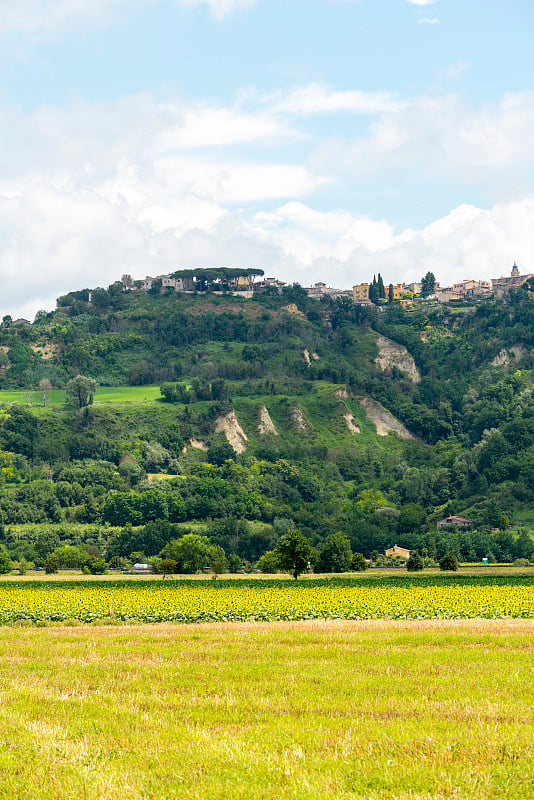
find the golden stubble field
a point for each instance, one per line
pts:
(317, 709)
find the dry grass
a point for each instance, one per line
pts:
(373, 709)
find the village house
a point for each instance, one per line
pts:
(397, 291)
(169, 282)
(470, 287)
(266, 283)
(502, 286)
(447, 294)
(398, 552)
(360, 292)
(459, 522)
(414, 287)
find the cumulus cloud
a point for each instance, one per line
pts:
(97, 189)
(145, 185)
(343, 249)
(422, 2)
(440, 136)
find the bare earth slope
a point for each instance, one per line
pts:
(384, 421)
(393, 354)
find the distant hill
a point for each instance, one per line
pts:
(430, 409)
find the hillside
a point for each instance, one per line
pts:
(372, 422)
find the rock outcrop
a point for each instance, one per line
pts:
(299, 419)
(393, 354)
(265, 424)
(505, 357)
(385, 421)
(229, 425)
(351, 422)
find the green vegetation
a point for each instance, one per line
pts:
(307, 710)
(237, 419)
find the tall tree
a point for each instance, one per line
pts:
(80, 391)
(428, 284)
(381, 288)
(295, 553)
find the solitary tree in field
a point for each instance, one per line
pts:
(295, 553)
(80, 391)
(45, 387)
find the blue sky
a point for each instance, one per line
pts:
(315, 139)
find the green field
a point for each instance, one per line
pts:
(372, 710)
(104, 394)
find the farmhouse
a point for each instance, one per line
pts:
(460, 522)
(397, 551)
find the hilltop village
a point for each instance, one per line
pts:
(247, 282)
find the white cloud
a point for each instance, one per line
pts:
(221, 8)
(144, 185)
(342, 249)
(316, 98)
(439, 136)
(45, 19)
(49, 18)
(94, 190)
(428, 21)
(455, 71)
(422, 2)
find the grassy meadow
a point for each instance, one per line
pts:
(104, 394)
(337, 709)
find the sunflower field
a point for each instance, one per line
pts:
(241, 601)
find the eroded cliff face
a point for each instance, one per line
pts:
(514, 353)
(393, 354)
(265, 424)
(385, 421)
(299, 419)
(236, 436)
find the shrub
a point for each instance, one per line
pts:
(415, 562)
(449, 562)
(234, 563)
(94, 566)
(51, 564)
(168, 566)
(336, 554)
(268, 563)
(358, 563)
(6, 565)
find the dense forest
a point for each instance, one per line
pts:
(350, 423)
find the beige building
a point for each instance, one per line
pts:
(471, 287)
(360, 292)
(502, 286)
(398, 552)
(169, 282)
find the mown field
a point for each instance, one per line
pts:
(275, 599)
(104, 394)
(337, 709)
